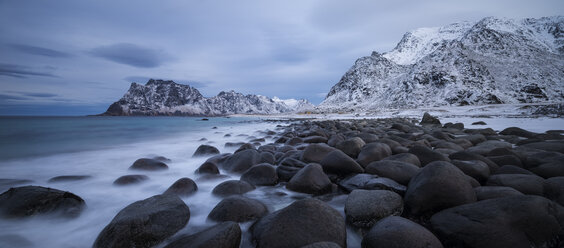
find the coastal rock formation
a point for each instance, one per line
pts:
(159, 97)
(486, 62)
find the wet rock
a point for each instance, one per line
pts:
(491, 192)
(294, 141)
(400, 172)
(487, 146)
(232, 187)
(207, 168)
(261, 175)
(148, 165)
(474, 168)
(246, 146)
(238, 209)
(373, 152)
(371, 182)
(351, 146)
(365, 207)
(474, 138)
(292, 162)
(479, 123)
(427, 155)
(406, 158)
(338, 162)
(554, 189)
(429, 119)
(36, 200)
(285, 173)
(205, 150)
(182, 187)
(130, 179)
(506, 160)
(439, 185)
(223, 235)
(301, 223)
(548, 170)
(398, 232)
(145, 223)
(68, 178)
(526, 184)
(241, 161)
(219, 159)
(315, 139)
(314, 153)
(518, 132)
(512, 169)
(311, 180)
(468, 156)
(267, 157)
(322, 245)
(522, 221)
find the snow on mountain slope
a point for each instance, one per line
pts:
(159, 97)
(491, 61)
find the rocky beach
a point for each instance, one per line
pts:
(393, 182)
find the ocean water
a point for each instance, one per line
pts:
(39, 148)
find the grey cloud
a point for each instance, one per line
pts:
(12, 97)
(35, 50)
(20, 71)
(40, 95)
(130, 54)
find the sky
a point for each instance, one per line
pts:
(69, 57)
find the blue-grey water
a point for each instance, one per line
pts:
(39, 148)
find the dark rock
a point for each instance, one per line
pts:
(238, 208)
(536, 158)
(474, 138)
(68, 178)
(267, 157)
(182, 187)
(373, 152)
(205, 150)
(314, 153)
(371, 182)
(479, 123)
(491, 192)
(338, 162)
(315, 139)
(322, 245)
(351, 146)
(292, 162)
(294, 141)
(261, 175)
(487, 146)
(516, 221)
(474, 168)
(145, 223)
(148, 164)
(365, 207)
(232, 187)
(483, 131)
(438, 186)
(36, 200)
(429, 119)
(464, 155)
(219, 159)
(506, 160)
(207, 168)
(241, 161)
(398, 232)
(512, 169)
(427, 155)
(285, 173)
(526, 184)
(301, 223)
(223, 235)
(130, 179)
(464, 143)
(405, 157)
(548, 170)
(368, 137)
(518, 132)
(334, 139)
(246, 146)
(311, 180)
(400, 172)
(554, 189)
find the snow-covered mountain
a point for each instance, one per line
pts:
(159, 97)
(491, 61)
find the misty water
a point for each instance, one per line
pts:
(38, 149)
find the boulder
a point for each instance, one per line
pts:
(427, 155)
(364, 208)
(338, 162)
(464, 155)
(398, 232)
(223, 235)
(512, 169)
(314, 153)
(267, 157)
(474, 168)
(315, 139)
(526, 184)
(36, 200)
(550, 146)
(438, 186)
(400, 172)
(246, 146)
(516, 221)
(518, 132)
(371, 182)
(301, 223)
(285, 173)
(68, 178)
(474, 138)
(491, 192)
(241, 161)
(554, 189)
(506, 160)
(208, 168)
(130, 179)
(351, 146)
(238, 208)
(182, 187)
(232, 187)
(145, 223)
(205, 150)
(429, 119)
(479, 123)
(322, 244)
(487, 146)
(261, 175)
(311, 180)
(373, 152)
(405, 157)
(550, 169)
(148, 164)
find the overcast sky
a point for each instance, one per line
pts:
(69, 57)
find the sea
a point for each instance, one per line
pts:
(40, 148)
